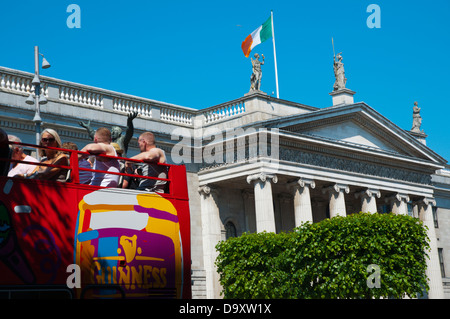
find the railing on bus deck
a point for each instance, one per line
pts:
(175, 180)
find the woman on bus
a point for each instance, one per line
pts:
(50, 138)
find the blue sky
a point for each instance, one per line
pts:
(188, 52)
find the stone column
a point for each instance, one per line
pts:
(433, 271)
(398, 203)
(337, 199)
(302, 200)
(211, 233)
(368, 201)
(265, 217)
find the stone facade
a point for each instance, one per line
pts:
(259, 163)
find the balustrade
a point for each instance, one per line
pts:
(127, 105)
(80, 96)
(223, 111)
(56, 90)
(176, 116)
(20, 84)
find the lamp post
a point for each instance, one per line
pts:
(38, 99)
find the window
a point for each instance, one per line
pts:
(410, 209)
(435, 217)
(384, 209)
(441, 261)
(230, 230)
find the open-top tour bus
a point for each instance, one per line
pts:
(66, 239)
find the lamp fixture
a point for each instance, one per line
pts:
(45, 64)
(42, 99)
(30, 99)
(36, 80)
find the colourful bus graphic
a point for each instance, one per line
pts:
(129, 239)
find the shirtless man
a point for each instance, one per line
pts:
(153, 155)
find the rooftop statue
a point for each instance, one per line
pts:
(255, 79)
(116, 132)
(417, 119)
(339, 73)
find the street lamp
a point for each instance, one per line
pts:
(36, 98)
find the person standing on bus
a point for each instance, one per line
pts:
(153, 156)
(102, 145)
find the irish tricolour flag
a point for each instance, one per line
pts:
(258, 36)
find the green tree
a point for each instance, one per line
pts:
(329, 259)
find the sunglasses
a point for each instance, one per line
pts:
(47, 140)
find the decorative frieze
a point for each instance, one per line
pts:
(354, 166)
(5, 124)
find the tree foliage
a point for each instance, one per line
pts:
(328, 259)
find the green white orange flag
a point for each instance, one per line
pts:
(258, 36)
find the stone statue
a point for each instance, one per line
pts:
(417, 119)
(116, 132)
(255, 79)
(339, 73)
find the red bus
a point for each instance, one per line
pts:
(66, 239)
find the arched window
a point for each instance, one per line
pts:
(230, 230)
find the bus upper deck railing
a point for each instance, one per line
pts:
(74, 169)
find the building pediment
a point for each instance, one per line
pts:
(352, 131)
(358, 125)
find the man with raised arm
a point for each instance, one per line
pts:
(102, 145)
(152, 155)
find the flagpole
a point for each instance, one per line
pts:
(274, 55)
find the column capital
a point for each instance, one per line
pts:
(368, 201)
(369, 192)
(398, 202)
(207, 190)
(399, 197)
(262, 177)
(337, 199)
(336, 188)
(302, 182)
(425, 201)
